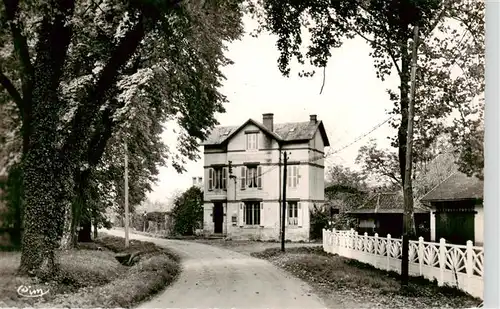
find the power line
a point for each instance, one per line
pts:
(357, 139)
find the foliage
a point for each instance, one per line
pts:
(188, 212)
(382, 165)
(345, 190)
(379, 164)
(319, 220)
(12, 198)
(387, 27)
(76, 70)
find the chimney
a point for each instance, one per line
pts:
(200, 181)
(267, 120)
(194, 181)
(313, 119)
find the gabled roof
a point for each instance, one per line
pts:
(283, 132)
(456, 187)
(386, 203)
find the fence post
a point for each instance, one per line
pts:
(352, 243)
(365, 242)
(469, 262)
(376, 244)
(421, 255)
(333, 241)
(324, 239)
(388, 249)
(442, 260)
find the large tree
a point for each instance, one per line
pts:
(387, 28)
(76, 66)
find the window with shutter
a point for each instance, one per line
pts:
(300, 213)
(292, 213)
(243, 178)
(210, 179)
(293, 176)
(261, 222)
(241, 215)
(252, 212)
(252, 177)
(259, 177)
(224, 178)
(217, 178)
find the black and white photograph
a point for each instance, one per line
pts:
(240, 154)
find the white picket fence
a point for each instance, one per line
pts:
(455, 265)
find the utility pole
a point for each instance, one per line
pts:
(283, 215)
(408, 222)
(126, 196)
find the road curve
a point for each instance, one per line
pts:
(218, 278)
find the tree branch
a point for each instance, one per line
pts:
(387, 49)
(7, 84)
(20, 45)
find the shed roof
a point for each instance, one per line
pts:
(456, 187)
(386, 203)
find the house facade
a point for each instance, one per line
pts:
(243, 172)
(457, 210)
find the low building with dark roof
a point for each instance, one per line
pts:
(382, 213)
(243, 177)
(457, 209)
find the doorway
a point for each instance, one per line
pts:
(218, 214)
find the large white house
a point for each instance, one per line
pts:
(243, 170)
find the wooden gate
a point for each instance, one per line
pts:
(455, 225)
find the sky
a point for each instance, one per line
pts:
(353, 101)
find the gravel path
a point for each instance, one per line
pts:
(218, 278)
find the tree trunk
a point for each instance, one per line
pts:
(408, 218)
(84, 235)
(95, 228)
(68, 239)
(404, 102)
(45, 189)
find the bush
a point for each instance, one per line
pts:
(188, 212)
(319, 220)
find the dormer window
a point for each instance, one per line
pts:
(252, 141)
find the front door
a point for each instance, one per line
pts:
(218, 217)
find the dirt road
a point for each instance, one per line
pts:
(218, 278)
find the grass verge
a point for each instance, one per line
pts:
(91, 277)
(346, 283)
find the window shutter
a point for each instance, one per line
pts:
(294, 171)
(286, 213)
(299, 214)
(260, 213)
(298, 174)
(213, 217)
(224, 178)
(289, 175)
(210, 179)
(241, 214)
(243, 178)
(259, 177)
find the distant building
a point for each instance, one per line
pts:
(198, 181)
(457, 210)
